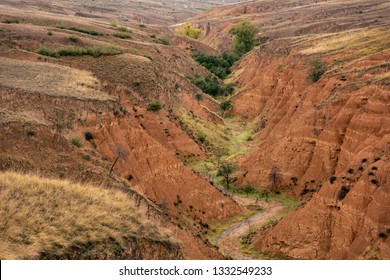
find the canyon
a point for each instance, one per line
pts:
(104, 99)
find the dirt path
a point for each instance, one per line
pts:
(228, 241)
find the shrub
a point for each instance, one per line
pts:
(249, 138)
(208, 85)
(122, 35)
(374, 168)
(155, 106)
(10, 20)
(332, 179)
(142, 25)
(317, 69)
(218, 65)
(74, 39)
(81, 30)
(202, 137)
(123, 29)
(87, 157)
(198, 96)
(49, 33)
(163, 40)
(225, 105)
(136, 82)
(350, 170)
(190, 31)
(88, 136)
(343, 192)
(245, 37)
(79, 51)
(76, 141)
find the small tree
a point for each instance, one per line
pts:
(274, 177)
(187, 29)
(317, 69)
(245, 37)
(225, 105)
(121, 153)
(226, 170)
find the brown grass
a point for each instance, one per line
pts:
(41, 215)
(50, 79)
(360, 40)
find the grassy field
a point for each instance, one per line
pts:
(50, 79)
(41, 216)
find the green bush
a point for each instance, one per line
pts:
(154, 106)
(76, 141)
(74, 39)
(136, 83)
(208, 85)
(244, 37)
(10, 20)
(317, 69)
(226, 105)
(123, 29)
(163, 40)
(122, 35)
(79, 51)
(218, 65)
(202, 137)
(199, 96)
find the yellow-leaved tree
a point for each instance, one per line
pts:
(187, 29)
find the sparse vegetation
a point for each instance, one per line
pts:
(136, 82)
(199, 96)
(187, 29)
(225, 106)
(80, 29)
(155, 106)
(74, 39)
(274, 177)
(317, 69)
(11, 20)
(244, 37)
(202, 137)
(122, 35)
(163, 40)
(76, 141)
(96, 51)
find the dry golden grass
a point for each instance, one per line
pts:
(40, 215)
(50, 79)
(360, 40)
